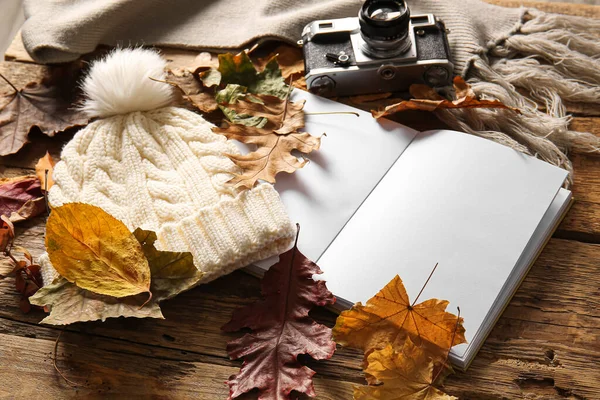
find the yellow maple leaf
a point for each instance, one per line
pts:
(96, 251)
(405, 373)
(389, 317)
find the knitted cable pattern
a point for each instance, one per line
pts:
(165, 170)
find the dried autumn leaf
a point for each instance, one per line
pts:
(406, 373)
(32, 208)
(28, 280)
(21, 198)
(7, 233)
(427, 99)
(276, 140)
(204, 61)
(69, 303)
(239, 70)
(96, 251)
(230, 95)
(289, 58)
(172, 272)
(210, 77)
(281, 331)
(40, 104)
(269, 112)
(44, 164)
(389, 317)
(192, 91)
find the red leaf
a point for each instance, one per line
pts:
(14, 193)
(281, 330)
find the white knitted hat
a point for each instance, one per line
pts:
(161, 168)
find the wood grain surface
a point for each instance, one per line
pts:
(545, 346)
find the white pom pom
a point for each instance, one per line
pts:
(120, 83)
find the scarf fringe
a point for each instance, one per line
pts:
(547, 60)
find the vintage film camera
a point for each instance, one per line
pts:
(385, 49)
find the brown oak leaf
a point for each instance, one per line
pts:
(281, 331)
(427, 99)
(275, 140)
(193, 91)
(403, 373)
(389, 317)
(43, 104)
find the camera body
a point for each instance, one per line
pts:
(341, 59)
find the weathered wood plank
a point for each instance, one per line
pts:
(16, 50)
(26, 371)
(582, 223)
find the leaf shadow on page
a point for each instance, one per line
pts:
(319, 159)
(294, 182)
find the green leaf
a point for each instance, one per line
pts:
(172, 272)
(270, 81)
(230, 95)
(239, 70)
(211, 77)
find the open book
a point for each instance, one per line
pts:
(380, 199)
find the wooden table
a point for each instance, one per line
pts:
(545, 346)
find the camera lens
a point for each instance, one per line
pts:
(385, 13)
(384, 27)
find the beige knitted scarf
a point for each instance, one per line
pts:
(526, 58)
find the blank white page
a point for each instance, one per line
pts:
(354, 156)
(464, 202)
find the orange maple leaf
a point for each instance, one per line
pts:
(389, 317)
(405, 373)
